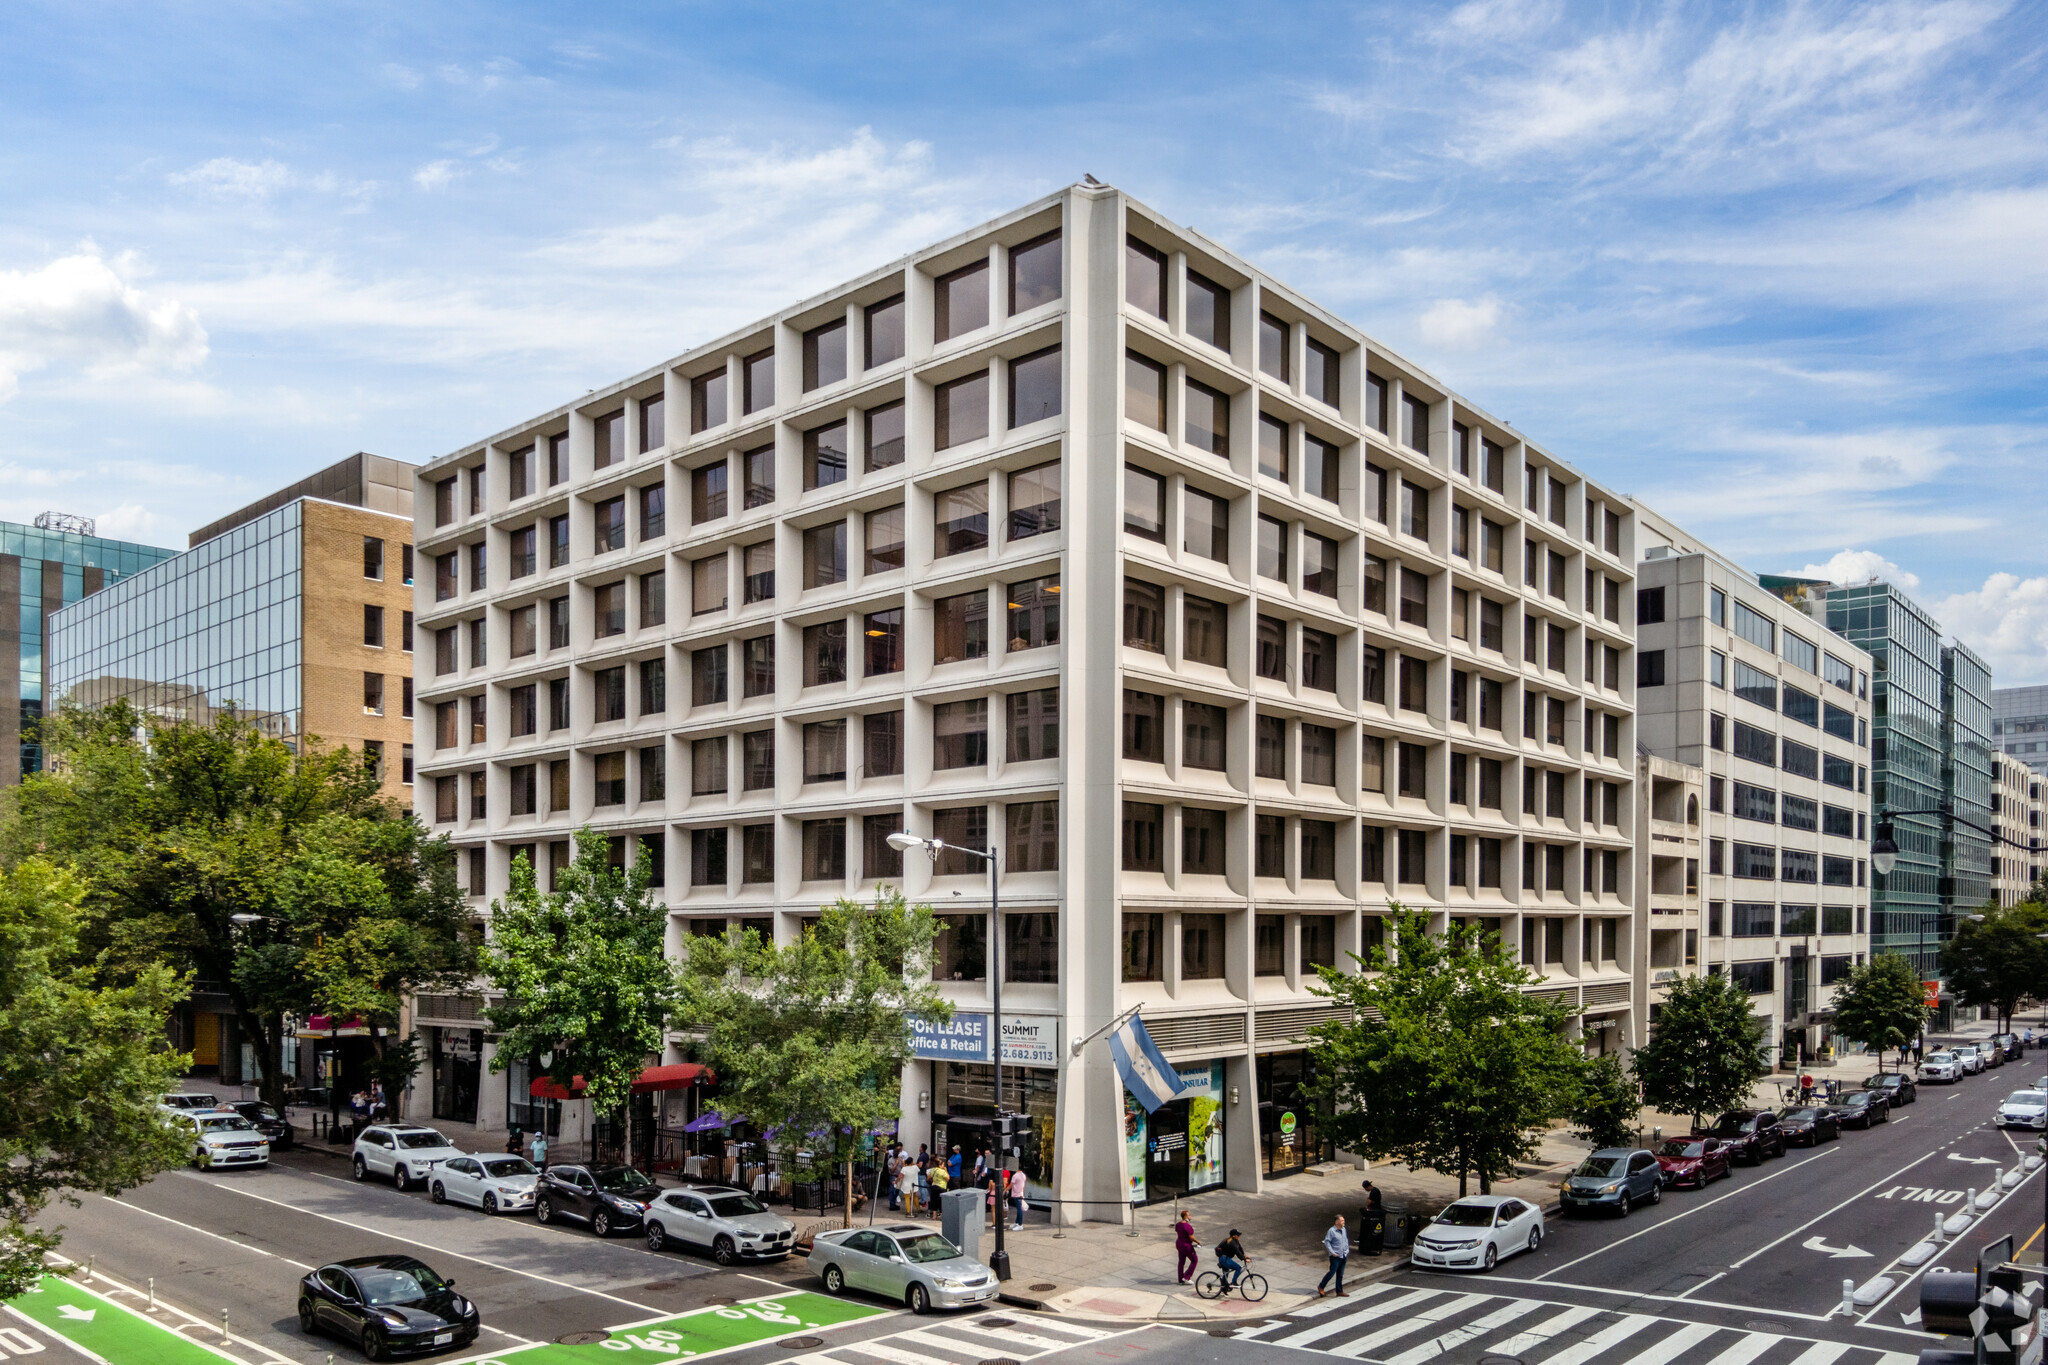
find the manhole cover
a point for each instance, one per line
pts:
(1043, 1288)
(661, 1286)
(582, 1338)
(1761, 1326)
(1223, 1332)
(1500, 1360)
(800, 1343)
(992, 1360)
(996, 1322)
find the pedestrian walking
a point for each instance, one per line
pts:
(538, 1154)
(1184, 1243)
(1338, 1243)
(1017, 1198)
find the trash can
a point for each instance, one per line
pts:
(960, 1218)
(1400, 1229)
(1372, 1231)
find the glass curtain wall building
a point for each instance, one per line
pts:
(41, 571)
(2019, 725)
(218, 627)
(1906, 761)
(1966, 779)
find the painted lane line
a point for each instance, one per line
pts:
(1844, 1204)
(1977, 1220)
(12, 1311)
(1717, 1275)
(1424, 1318)
(192, 1320)
(204, 1232)
(1471, 1331)
(1663, 1223)
(1346, 1323)
(445, 1251)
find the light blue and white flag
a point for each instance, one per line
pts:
(1146, 1072)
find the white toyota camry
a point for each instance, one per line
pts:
(1478, 1231)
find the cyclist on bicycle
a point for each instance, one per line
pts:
(1231, 1258)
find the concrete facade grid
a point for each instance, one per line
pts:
(1230, 1019)
(2015, 815)
(334, 656)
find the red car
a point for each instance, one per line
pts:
(1693, 1161)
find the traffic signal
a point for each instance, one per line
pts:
(1010, 1131)
(1994, 1310)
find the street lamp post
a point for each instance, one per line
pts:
(999, 1262)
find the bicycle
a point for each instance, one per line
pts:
(1209, 1285)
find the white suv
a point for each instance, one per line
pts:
(185, 1101)
(406, 1152)
(1941, 1066)
(221, 1138)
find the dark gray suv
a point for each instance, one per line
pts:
(1616, 1178)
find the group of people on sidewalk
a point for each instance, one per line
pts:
(1231, 1259)
(916, 1180)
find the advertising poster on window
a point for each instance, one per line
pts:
(1134, 1147)
(1204, 1082)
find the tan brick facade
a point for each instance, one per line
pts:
(336, 590)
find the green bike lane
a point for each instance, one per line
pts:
(104, 1330)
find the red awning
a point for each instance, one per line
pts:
(677, 1077)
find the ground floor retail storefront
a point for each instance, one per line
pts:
(1291, 1138)
(1178, 1148)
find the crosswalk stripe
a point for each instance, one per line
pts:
(895, 1355)
(1317, 1308)
(1608, 1336)
(1676, 1345)
(1896, 1358)
(1346, 1323)
(1424, 1317)
(1471, 1331)
(1008, 1336)
(1751, 1345)
(1821, 1353)
(1542, 1331)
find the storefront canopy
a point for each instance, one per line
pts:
(680, 1076)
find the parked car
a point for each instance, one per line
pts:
(186, 1100)
(2024, 1109)
(221, 1137)
(1862, 1108)
(1693, 1161)
(902, 1262)
(2009, 1045)
(1751, 1135)
(495, 1184)
(268, 1121)
(1967, 1054)
(1943, 1066)
(406, 1152)
(1616, 1178)
(1991, 1052)
(1812, 1126)
(1478, 1231)
(387, 1305)
(1897, 1086)
(727, 1223)
(609, 1198)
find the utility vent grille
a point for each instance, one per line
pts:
(1608, 993)
(1568, 995)
(1288, 1026)
(1197, 1033)
(468, 1009)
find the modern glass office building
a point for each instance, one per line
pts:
(1966, 778)
(2019, 725)
(41, 571)
(1906, 759)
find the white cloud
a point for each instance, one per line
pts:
(2006, 621)
(1457, 325)
(226, 176)
(435, 175)
(1851, 567)
(132, 521)
(80, 310)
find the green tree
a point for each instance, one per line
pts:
(82, 1066)
(1998, 958)
(1881, 1004)
(275, 869)
(810, 1038)
(1447, 1062)
(585, 982)
(1705, 1049)
(1607, 1106)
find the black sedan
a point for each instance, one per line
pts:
(1750, 1135)
(609, 1198)
(387, 1305)
(1898, 1087)
(1862, 1108)
(268, 1121)
(1809, 1127)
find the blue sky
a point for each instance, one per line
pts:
(1781, 270)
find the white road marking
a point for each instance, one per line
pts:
(1471, 1331)
(1543, 1331)
(1675, 1345)
(1610, 1335)
(1344, 1323)
(1014, 1336)
(137, 1208)
(1820, 1353)
(1748, 1348)
(1424, 1318)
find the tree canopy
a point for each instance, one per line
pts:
(1881, 1004)
(1705, 1049)
(1448, 1062)
(810, 1038)
(1608, 1105)
(82, 1064)
(1998, 958)
(274, 869)
(584, 979)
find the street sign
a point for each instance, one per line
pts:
(1933, 990)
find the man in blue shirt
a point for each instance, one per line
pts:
(953, 1166)
(1338, 1244)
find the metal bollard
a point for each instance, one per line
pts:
(1134, 1222)
(88, 1266)
(152, 1293)
(1848, 1296)
(224, 1338)
(1937, 1237)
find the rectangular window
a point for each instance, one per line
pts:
(1801, 760)
(1414, 510)
(1143, 956)
(1034, 613)
(1208, 525)
(825, 653)
(609, 610)
(961, 411)
(707, 857)
(1838, 722)
(824, 850)
(825, 751)
(757, 855)
(1204, 631)
(610, 779)
(1273, 347)
(880, 862)
(1801, 654)
(825, 555)
(825, 355)
(708, 766)
(1836, 871)
(757, 376)
(1318, 660)
(653, 687)
(1144, 726)
(1208, 311)
(757, 467)
(609, 694)
(708, 586)
(1144, 391)
(1838, 772)
(1411, 848)
(1801, 706)
(961, 516)
(1145, 278)
(882, 744)
(825, 456)
(608, 523)
(1650, 668)
(373, 629)
(1376, 495)
(1754, 803)
(1272, 549)
(1319, 373)
(608, 439)
(1143, 828)
(1754, 862)
(960, 302)
(653, 423)
(884, 331)
(1035, 272)
(1373, 677)
(757, 760)
(1201, 947)
(1415, 598)
(960, 627)
(1797, 865)
(1269, 657)
(708, 676)
(1649, 606)
(1755, 627)
(1318, 755)
(707, 402)
(1414, 684)
(1035, 387)
(558, 541)
(1033, 835)
(1033, 725)
(1414, 423)
(960, 734)
(1318, 564)
(1144, 615)
(1144, 503)
(1205, 419)
(1375, 584)
(558, 706)
(882, 633)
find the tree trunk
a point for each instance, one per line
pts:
(1464, 1169)
(849, 1191)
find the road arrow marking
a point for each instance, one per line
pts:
(1975, 1160)
(65, 1310)
(1910, 1318)
(1833, 1253)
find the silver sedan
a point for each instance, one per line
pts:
(903, 1263)
(495, 1184)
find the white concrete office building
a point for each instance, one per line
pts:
(2015, 816)
(1776, 708)
(1077, 537)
